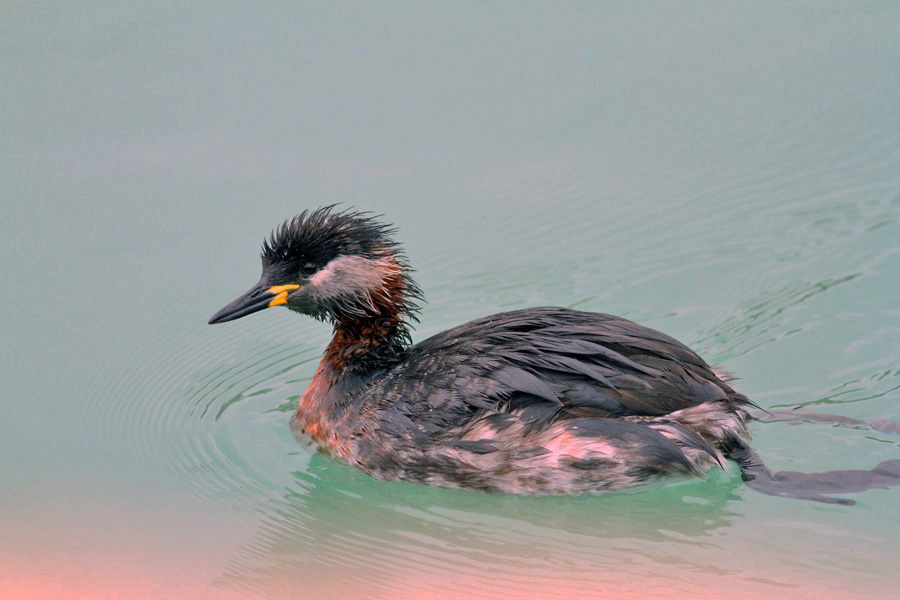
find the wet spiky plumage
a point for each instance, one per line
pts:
(318, 237)
(323, 234)
(545, 400)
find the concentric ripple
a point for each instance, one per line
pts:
(211, 408)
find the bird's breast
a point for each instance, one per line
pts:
(313, 417)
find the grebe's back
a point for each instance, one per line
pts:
(544, 400)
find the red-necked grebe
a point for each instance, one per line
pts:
(542, 400)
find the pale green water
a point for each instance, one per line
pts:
(727, 174)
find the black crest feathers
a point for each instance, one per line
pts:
(313, 239)
(323, 234)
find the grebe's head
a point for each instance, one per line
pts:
(332, 265)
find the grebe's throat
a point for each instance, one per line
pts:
(371, 325)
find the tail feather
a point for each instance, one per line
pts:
(716, 422)
(686, 439)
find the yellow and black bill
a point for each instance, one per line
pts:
(260, 296)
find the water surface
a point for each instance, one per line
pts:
(727, 174)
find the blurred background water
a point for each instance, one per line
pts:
(727, 173)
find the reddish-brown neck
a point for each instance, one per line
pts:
(364, 342)
(377, 338)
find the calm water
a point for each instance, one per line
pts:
(727, 174)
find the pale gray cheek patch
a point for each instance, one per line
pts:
(349, 279)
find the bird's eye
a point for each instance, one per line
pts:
(308, 269)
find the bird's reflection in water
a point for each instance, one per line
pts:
(339, 529)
